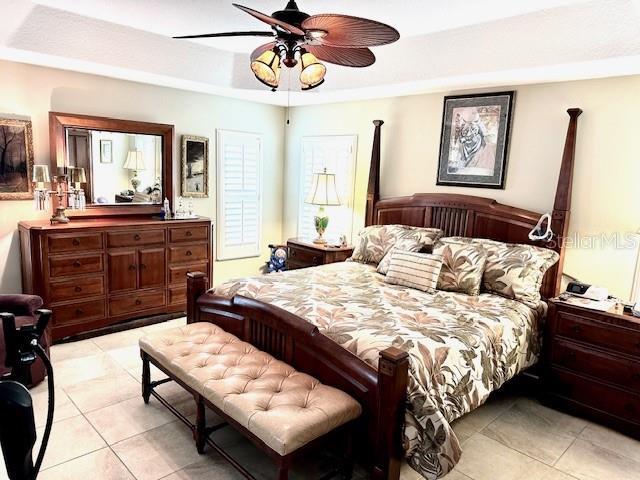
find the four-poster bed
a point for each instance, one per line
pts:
(382, 391)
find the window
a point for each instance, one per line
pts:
(239, 216)
(337, 154)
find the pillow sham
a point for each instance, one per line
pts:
(375, 241)
(513, 270)
(414, 270)
(463, 265)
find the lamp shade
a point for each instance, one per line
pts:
(266, 68)
(77, 175)
(323, 190)
(41, 174)
(134, 160)
(313, 72)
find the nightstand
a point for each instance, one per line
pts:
(303, 254)
(591, 365)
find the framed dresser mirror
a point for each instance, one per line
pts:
(126, 165)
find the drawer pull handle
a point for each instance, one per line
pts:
(189, 234)
(189, 253)
(138, 301)
(77, 263)
(78, 289)
(576, 329)
(136, 237)
(316, 260)
(78, 311)
(293, 253)
(132, 267)
(75, 242)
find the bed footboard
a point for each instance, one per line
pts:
(382, 392)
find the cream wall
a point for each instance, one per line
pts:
(29, 91)
(607, 171)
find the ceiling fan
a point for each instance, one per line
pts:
(306, 39)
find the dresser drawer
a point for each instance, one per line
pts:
(78, 312)
(73, 242)
(188, 234)
(177, 295)
(135, 237)
(605, 398)
(178, 273)
(60, 266)
(135, 302)
(188, 253)
(301, 257)
(609, 368)
(618, 339)
(76, 288)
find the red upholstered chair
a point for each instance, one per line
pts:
(24, 308)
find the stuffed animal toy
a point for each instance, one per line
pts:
(278, 259)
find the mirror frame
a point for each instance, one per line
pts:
(58, 122)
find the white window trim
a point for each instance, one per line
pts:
(352, 173)
(221, 254)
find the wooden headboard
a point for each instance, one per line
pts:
(471, 216)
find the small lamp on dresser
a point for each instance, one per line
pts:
(134, 162)
(323, 193)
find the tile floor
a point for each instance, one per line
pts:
(103, 430)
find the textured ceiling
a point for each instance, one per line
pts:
(444, 45)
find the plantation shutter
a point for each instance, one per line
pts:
(239, 205)
(336, 153)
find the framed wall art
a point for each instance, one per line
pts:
(16, 159)
(106, 151)
(195, 166)
(475, 139)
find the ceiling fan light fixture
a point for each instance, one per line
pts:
(266, 68)
(312, 71)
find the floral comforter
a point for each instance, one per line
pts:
(461, 347)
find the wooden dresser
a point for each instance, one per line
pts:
(98, 272)
(303, 254)
(592, 365)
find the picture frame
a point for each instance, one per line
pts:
(195, 167)
(16, 159)
(474, 140)
(106, 151)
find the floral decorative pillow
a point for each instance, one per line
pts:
(463, 265)
(375, 241)
(514, 270)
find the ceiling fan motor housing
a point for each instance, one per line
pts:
(291, 14)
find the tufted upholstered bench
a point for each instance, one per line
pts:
(281, 410)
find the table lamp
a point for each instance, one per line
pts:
(323, 193)
(134, 162)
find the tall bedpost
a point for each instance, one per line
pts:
(197, 284)
(393, 371)
(562, 204)
(373, 190)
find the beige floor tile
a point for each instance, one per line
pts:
(70, 438)
(136, 373)
(101, 392)
(535, 430)
(126, 357)
(474, 421)
(66, 351)
(129, 418)
(63, 408)
(486, 459)
(159, 452)
(453, 475)
(176, 322)
(211, 466)
(127, 338)
(100, 465)
(588, 461)
(76, 370)
(607, 438)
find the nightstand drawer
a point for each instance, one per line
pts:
(594, 394)
(303, 257)
(609, 368)
(597, 333)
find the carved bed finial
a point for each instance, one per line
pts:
(373, 190)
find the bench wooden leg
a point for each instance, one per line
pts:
(201, 425)
(283, 468)
(347, 471)
(146, 378)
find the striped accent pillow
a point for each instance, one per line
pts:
(415, 270)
